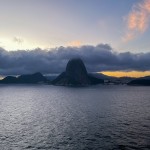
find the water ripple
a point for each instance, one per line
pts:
(60, 118)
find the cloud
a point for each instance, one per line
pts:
(18, 40)
(74, 43)
(97, 58)
(137, 20)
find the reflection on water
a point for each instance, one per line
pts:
(98, 117)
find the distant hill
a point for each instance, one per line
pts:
(9, 79)
(143, 82)
(76, 75)
(102, 76)
(51, 77)
(112, 79)
(127, 78)
(22, 79)
(146, 78)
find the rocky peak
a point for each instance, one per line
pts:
(76, 75)
(76, 72)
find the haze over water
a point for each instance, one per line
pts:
(98, 117)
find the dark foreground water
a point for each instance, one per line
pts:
(94, 118)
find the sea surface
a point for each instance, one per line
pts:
(47, 117)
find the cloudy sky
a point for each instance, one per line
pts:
(110, 35)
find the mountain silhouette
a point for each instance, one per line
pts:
(141, 81)
(29, 78)
(76, 75)
(9, 79)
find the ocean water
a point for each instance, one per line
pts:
(49, 117)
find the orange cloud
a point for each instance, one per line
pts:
(75, 43)
(137, 20)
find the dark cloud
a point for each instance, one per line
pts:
(97, 58)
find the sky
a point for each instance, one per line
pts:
(30, 27)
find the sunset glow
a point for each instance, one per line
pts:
(127, 74)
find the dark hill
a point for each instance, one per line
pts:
(76, 75)
(140, 81)
(9, 79)
(29, 78)
(32, 78)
